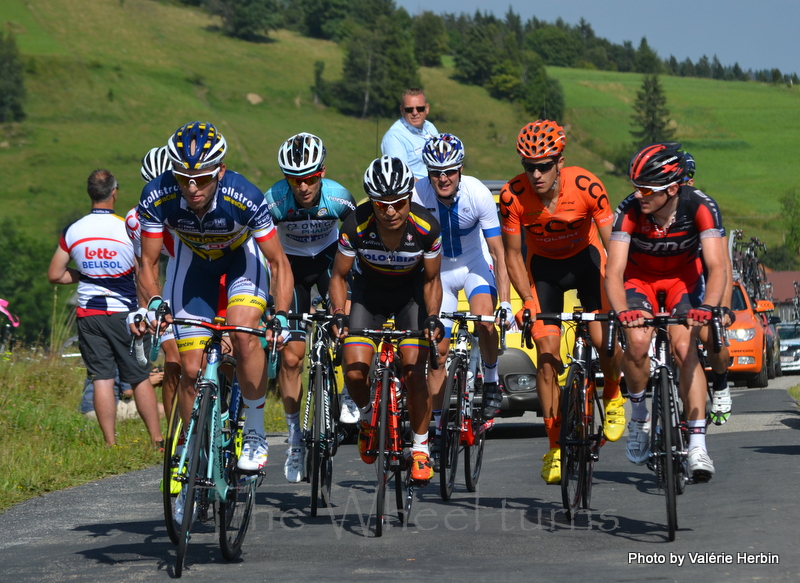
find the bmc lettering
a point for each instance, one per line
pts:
(665, 247)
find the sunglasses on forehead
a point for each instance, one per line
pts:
(419, 108)
(542, 168)
(650, 190)
(397, 204)
(296, 181)
(199, 180)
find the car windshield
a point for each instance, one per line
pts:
(789, 331)
(737, 300)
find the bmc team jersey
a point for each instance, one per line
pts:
(359, 238)
(103, 253)
(237, 211)
(657, 253)
(308, 232)
(581, 198)
(471, 214)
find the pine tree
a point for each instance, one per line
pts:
(12, 80)
(651, 114)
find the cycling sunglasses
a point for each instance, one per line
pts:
(419, 108)
(434, 174)
(397, 204)
(311, 180)
(650, 190)
(543, 167)
(199, 180)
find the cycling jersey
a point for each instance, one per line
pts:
(581, 198)
(673, 251)
(103, 253)
(237, 211)
(308, 232)
(472, 207)
(359, 238)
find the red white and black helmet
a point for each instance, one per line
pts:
(541, 139)
(658, 164)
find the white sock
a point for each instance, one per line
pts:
(697, 433)
(638, 407)
(293, 423)
(254, 416)
(437, 419)
(421, 443)
(490, 372)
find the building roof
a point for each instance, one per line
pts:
(783, 284)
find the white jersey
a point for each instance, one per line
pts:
(134, 229)
(471, 218)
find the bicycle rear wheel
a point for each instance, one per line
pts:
(670, 485)
(450, 438)
(237, 507)
(196, 443)
(572, 440)
(382, 461)
(170, 463)
(473, 454)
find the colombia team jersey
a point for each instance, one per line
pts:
(581, 198)
(671, 251)
(359, 238)
(237, 211)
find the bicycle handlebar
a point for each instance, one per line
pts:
(392, 334)
(610, 317)
(219, 327)
(466, 317)
(715, 323)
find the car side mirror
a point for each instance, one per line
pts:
(774, 320)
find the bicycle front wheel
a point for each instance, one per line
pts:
(382, 461)
(317, 435)
(197, 445)
(668, 463)
(594, 434)
(169, 487)
(572, 438)
(237, 507)
(450, 437)
(473, 454)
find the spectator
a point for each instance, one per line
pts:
(103, 254)
(407, 136)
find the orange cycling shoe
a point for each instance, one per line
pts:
(366, 442)
(421, 467)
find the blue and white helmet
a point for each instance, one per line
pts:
(443, 152)
(388, 178)
(209, 150)
(301, 155)
(691, 167)
(155, 163)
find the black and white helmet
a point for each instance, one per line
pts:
(388, 178)
(155, 163)
(301, 155)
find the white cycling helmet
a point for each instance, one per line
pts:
(155, 163)
(301, 155)
(443, 152)
(388, 178)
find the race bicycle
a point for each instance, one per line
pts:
(462, 425)
(321, 409)
(390, 419)
(582, 412)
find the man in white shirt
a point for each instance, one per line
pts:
(407, 136)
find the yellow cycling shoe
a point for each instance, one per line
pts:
(174, 485)
(551, 469)
(614, 426)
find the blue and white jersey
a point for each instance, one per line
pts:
(471, 217)
(103, 253)
(308, 232)
(236, 213)
(404, 141)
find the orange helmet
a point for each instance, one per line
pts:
(541, 139)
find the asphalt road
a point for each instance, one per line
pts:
(512, 529)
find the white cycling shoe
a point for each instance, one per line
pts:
(638, 446)
(349, 413)
(255, 452)
(295, 467)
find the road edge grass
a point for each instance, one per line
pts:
(49, 445)
(795, 393)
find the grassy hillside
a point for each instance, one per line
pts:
(107, 80)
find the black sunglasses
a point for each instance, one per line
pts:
(439, 173)
(543, 168)
(419, 108)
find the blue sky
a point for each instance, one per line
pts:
(757, 35)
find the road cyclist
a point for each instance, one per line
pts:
(473, 257)
(564, 216)
(306, 207)
(393, 247)
(219, 220)
(656, 246)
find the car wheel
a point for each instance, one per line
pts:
(771, 367)
(761, 379)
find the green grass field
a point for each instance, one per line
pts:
(109, 80)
